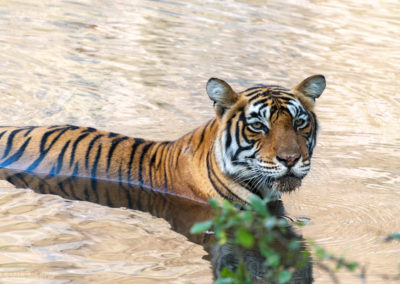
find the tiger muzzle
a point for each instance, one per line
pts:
(288, 160)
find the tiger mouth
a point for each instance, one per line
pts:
(287, 183)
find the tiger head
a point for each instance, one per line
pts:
(266, 134)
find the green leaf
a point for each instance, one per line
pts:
(231, 222)
(284, 276)
(351, 266)
(294, 245)
(270, 223)
(302, 223)
(224, 280)
(258, 205)
(222, 238)
(305, 254)
(227, 207)
(201, 227)
(226, 273)
(273, 259)
(394, 236)
(214, 203)
(320, 253)
(244, 238)
(246, 216)
(283, 223)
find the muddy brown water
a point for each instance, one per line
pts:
(140, 67)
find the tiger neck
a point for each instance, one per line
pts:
(200, 167)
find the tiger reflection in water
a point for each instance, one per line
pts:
(260, 142)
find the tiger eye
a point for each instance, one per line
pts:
(257, 125)
(299, 122)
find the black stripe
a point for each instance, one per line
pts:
(257, 90)
(242, 163)
(2, 133)
(61, 187)
(237, 130)
(139, 201)
(90, 148)
(202, 136)
(112, 149)
(262, 101)
(260, 94)
(41, 188)
(257, 87)
(228, 135)
(93, 175)
(162, 154)
(179, 150)
(74, 146)
(76, 171)
(121, 182)
(17, 154)
(72, 189)
(21, 176)
(69, 181)
(165, 169)
(140, 173)
(213, 122)
(60, 159)
(243, 119)
(191, 137)
(86, 193)
(138, 141)
(211, 180)
(109, 202)
(43, 151)
(10, 141)
(30, 128)
(286, 93)
(241, 149)
(90, 129)
(152, 161)
(46, 136)
(226, 188)
(211, 173)
(202, 153)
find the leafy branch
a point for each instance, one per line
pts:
(283, 253)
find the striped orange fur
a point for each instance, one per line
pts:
(260, 142)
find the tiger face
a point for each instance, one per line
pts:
(266, 134)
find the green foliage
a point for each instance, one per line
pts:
(241, 275)
(284, 276)
(201, 227)
(255, 228)
(394, 236)
(244, 238)
(321, 254)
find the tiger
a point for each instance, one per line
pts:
(260, 142)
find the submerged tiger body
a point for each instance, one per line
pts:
(260, 142)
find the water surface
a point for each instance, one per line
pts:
(140, 68)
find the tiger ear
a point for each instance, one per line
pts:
(222, 94)
(312, 87)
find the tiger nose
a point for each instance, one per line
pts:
(288, 160)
